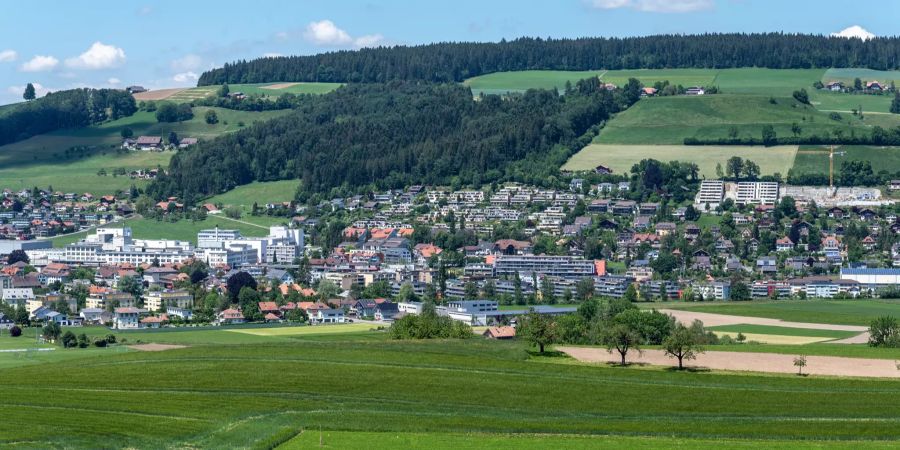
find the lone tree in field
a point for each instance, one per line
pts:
(538, 329)
(29, 92)
(621, 338)
(800, 363)
(224, 90)
(683, 343)
(211, 117)
(884, 332)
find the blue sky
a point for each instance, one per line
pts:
(159, 44)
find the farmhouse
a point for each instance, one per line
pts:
(148, 142)
(835, 86)
(135, 89)
(504, 332)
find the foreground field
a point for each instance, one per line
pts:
(621, 158)
(41, 160)
(455, 441)
(237, 394)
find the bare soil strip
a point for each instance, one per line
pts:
(159, 94)
(278, 86)
(155, 347)
(749, 362)
(715, 320)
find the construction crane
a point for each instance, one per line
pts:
(831, 154)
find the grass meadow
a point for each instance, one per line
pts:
(784, 331)
(264, 89)
(621, 158)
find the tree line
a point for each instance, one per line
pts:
(397, 134)
(74, 108)
(448, 61)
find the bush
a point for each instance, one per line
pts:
(110, 339)
(69, 340)
(99, 342)
(15, 331)
(429, 325)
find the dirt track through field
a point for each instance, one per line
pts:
(155, 347)
(714, 320)
(279, 86)
(749, 362)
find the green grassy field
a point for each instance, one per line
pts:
(235, 395)
(774, 82)
(669, 120)
(814, 159)
(847, 75)
(784, 331)
(186, 230)
(455, 441)
(621, 158)
(39, 161)
(259, 192)
(519, 81)
(838, 312)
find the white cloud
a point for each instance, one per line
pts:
(8, 55)
(99, 56)
(272, 55)
(369, 40)
(185, 77)
(39, 90)
(657, 6)
(855, 31)
(325, 32)
(114, 81)
(188, 63)
(40, 63)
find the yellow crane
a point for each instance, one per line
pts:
(831, 154)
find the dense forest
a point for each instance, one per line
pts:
(444, 62)
(74, 108)
(400, 133)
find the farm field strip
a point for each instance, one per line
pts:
(749, 362)
(621, 157)
(774, 338)
(856, 313)
(297, 331)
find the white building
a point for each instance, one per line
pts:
(757, 193)
(116, 246)
(710, 195)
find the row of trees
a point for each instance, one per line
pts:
(74, 108)
(620, 327)
(398, 134)
(444, 62)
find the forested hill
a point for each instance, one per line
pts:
(397, 134)
(445, 62)
(74, 108)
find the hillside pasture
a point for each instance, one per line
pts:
(260, 192)
(669, 120)
(814, 159)
(41, 160)
(186, 230)
(760, 81)
(158, 94)
(621, 158)
(847, 75)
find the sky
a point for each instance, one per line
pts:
(162, 44)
